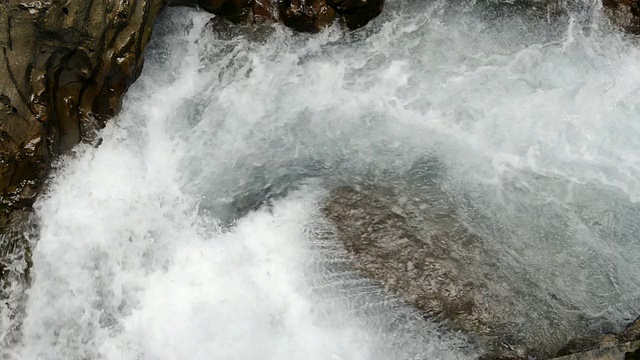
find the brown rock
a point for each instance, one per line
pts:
(65, 67)
(209, 5)
(411, 237)
(263, 10)
(631, 332)
(236, 11)
(625, 351)
(632, 355)
(306, 15)
(415, 263)
(586, 344)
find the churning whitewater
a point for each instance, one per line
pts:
(194, 230)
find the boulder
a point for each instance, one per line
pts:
(378, 228)
(409, 235)
(600, 346)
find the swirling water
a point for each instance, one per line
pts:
(153, 245)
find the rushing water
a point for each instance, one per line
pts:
(154, 245)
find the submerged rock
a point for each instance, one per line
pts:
(625, 351)
(410, 237)
(604, 346)
(415, 262)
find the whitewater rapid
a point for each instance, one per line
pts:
(194, 232)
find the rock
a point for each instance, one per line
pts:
(313, 15)
(410, 236)
(306, 15)
(357, 13)
(263, 11)
(66, 66)
(236, 11)
(630, 335)
(624, 14)
(301, 15)
(632, 355)
(623, 351)
(416, 263)
(586, 344)
(631, 332)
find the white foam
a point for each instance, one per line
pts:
(540, 133)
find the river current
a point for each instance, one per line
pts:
(194, 231)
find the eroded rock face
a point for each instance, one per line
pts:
(607, 346)
(64, 69)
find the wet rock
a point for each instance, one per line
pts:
(586, 344)
(624, 14)
(624, 351)
(235, 10)
(357, 13)
(416, 262)
(65, 67)
(632, 355)
(263, 11)
(313, 15)
(631, 332)
(623, 340)
(301, 15)
(306, 15)
(411, 236)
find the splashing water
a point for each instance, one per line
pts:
(149, 245)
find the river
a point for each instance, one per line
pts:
(194, 230)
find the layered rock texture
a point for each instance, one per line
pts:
(624, 345)
(64, 67)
